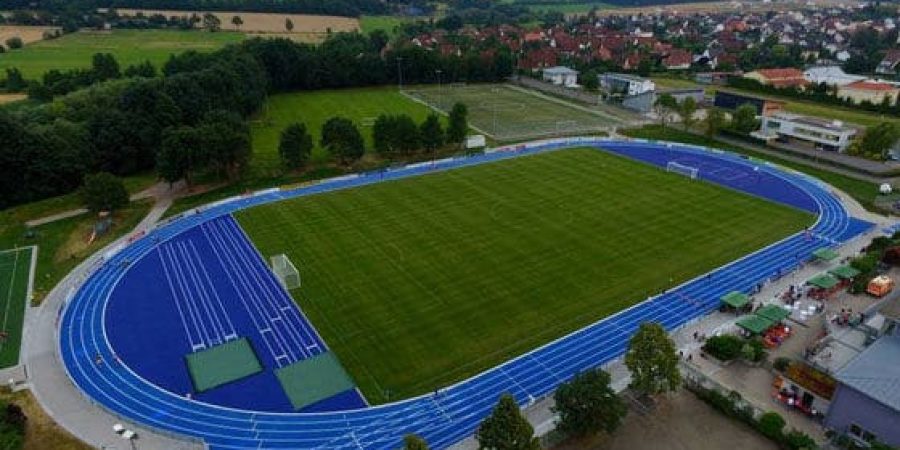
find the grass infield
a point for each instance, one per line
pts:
(422, 282)
(15, 266)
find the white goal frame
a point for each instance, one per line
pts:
(285, 271)
(682, 169)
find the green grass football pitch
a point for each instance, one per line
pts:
(507, 112)
(76, 50)
(15, 266)
(421, 282)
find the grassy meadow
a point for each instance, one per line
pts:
(75, 50)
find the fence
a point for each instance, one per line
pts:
(581, 96)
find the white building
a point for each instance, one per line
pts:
(562, 76)
(813, 132)
(830, 75)
(626, 84)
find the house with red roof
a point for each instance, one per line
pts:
(780, 78)
(678, 59)
(872, 91)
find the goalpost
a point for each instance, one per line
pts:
(285, 271)
(682, 169)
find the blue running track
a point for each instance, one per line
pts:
(207, 270)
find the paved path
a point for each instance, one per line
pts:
(48, 380)
(159, 191)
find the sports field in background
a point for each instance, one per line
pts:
(15, 268)
(75, 50)
(510, 113)
(422, 282)
(314, 108)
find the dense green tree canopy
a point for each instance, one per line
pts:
(506, 429)
(104, 192)
(652, 359)
(587, 404)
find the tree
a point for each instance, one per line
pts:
(432, 132)
(342, 138)
(413, 442)
(211, 22)
(652, 360)
(459, 125)
(744, 119)
(237, 21)
(587, 404)
(104, 191)
(179, 154)
(289, 24)
(506, 429)
(589, 80)
(879, 139)
(15, 42)
(105, 67)
(295, 146)
(144, 69)
(714, 121)
(686, 110)
(14, 80)
(224, 142)
(665, 105)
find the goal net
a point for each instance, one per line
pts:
(285, 271)
(682, 169)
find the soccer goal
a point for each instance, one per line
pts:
(285, 271)
(682, 169)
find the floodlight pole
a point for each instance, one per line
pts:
(440, 92)
(399, 74)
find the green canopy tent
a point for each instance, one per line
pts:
(774, 313)
(735, 299)
(824, 281)
(845, 272)
(755, 324)
(825, 254)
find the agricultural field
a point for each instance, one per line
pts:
(569, 8)
(128, 46)
(422, 282)
(28, 34)
(507, 113)
(15, 270)
(362, 106)
(389, 24)
(307, 27)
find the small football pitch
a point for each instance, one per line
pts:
(15, 269)
(422, 282)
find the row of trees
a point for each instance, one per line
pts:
(393, 136)
(118, 124)
(821, 93)
(587, 404)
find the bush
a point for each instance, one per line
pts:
(14, 43)
(797, 440)
(771, 425)
(753, 351)
(725, 347)
(781, 363)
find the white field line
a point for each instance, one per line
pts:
(605, 115)
(441, 112)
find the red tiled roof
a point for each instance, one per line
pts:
(866, 85)
(780, 74)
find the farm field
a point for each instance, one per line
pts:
(569, 8)
(418, 283)
(28, 34)
(362, 106)
(368, 24)
(307, 27)
(15, 267)
(128, 46)
(509, 113)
